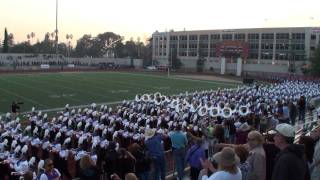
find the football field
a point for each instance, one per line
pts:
(53, 90)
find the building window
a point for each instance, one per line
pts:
(282, 36)
(254, 46)
(297, 46)
(282, 46)
(192, 53)
(203, 53)
(193, 37)
(226, 36)
(267, 36)
(173, 38)
(312, 48)
(204, 37)
(297, 36)
(204, 46)
(212, 54)
(313, 37)
(266, 46)
(240, 36)
(213, 46)
(253, 36)
(253, 55)
(193, 46)
(182, 53)
(266, 55)
(183, 38)
(215, 37)
(182, 45)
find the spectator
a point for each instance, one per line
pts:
(88, 169)
(257, 156)
(142, 166)
(290, 162)
(315, 166)
(111, 159)
(271, 151)
(244, 166)
(194, 154)
(125, 163)
(50, 172)
(219, 133)
(302, 108)
(155, 150)
(131, 176)
(227, 162)
(292, 112)
(309, 145)
(242, 133)
(28, 175)
(285, 115)
(179, 142)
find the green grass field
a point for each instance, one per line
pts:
(54, 90)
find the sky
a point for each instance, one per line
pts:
(140, 18)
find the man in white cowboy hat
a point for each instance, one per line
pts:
(290, 162)
(154, 146)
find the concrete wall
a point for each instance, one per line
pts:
(7, 60)
(262, 66)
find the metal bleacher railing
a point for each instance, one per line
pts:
(310, 124)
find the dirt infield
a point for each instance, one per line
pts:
(209, 78)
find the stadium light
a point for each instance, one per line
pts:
(56, 31)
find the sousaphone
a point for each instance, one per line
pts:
(202, 111)
(243, 110)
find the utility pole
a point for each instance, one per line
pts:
(57, 33)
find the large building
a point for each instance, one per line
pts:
(261, 49)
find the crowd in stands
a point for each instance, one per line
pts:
(245, 133)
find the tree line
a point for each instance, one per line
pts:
(87, 46)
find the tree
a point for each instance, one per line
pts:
(200, 61)
(5, 48)
(175, 61)
(315, 63)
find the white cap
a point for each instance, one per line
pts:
(286, 130)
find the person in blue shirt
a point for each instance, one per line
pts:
(179, 142)
(194, 154)
(155, 150)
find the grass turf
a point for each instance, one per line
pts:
(54, 90)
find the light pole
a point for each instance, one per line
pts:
(56, 31)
